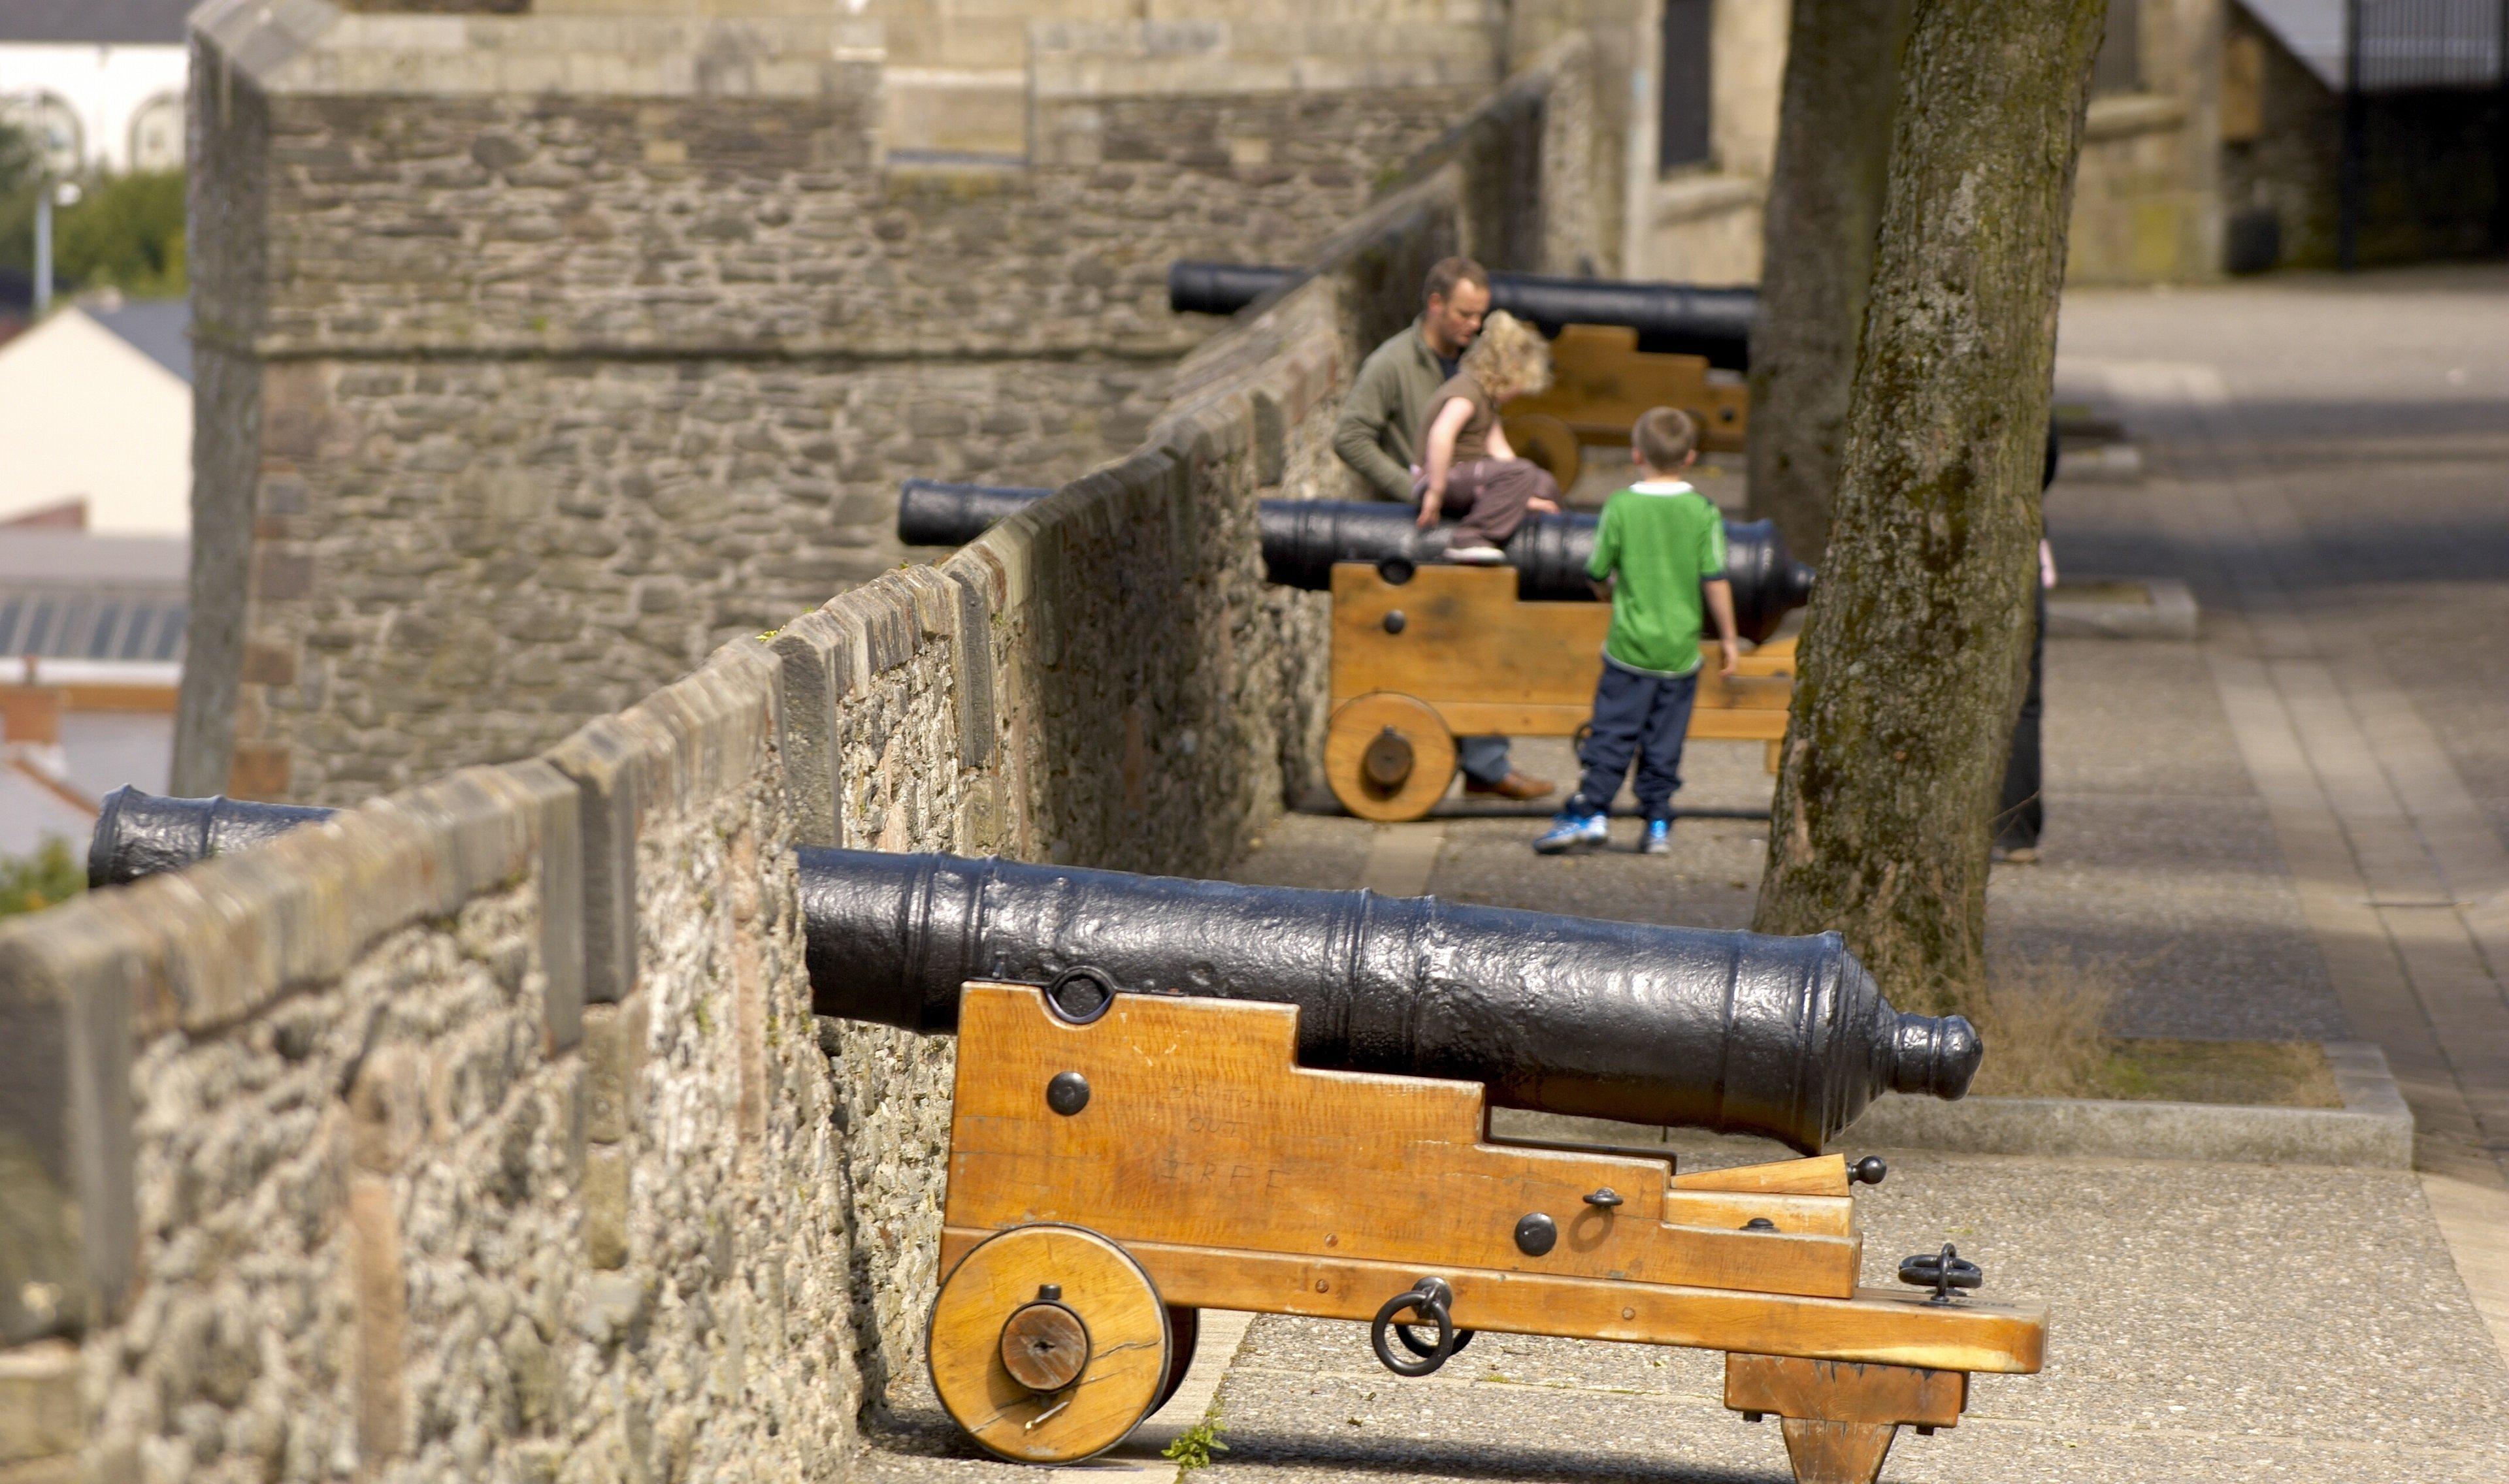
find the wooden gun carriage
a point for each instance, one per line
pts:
(1174, 1096)
(1424, 652)
(1452, 651)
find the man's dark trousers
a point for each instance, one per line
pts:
(1642, 716)
(2021, 814)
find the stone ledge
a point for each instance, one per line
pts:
(229, 934)
(1693, 197)
(68, 1196)
(2123, 116)
(308, 47)
(1147, 59)
(879, 620)
(39, 1403)
(556, 808)
(718, 721)
(812, 652)
(604, 760)
(971, 648)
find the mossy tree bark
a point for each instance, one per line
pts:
(1824, 214)
(1916, 647)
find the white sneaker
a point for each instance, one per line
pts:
(1476, 556)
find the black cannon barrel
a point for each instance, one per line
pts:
(934, 512)
(1786, 1037)
(1676, 319)
(1302, 539)
(139, 834)
(1221, 288)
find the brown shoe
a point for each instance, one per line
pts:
(1512, 786)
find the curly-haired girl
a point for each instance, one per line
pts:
(1466, 467)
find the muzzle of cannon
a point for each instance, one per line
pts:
(1303, 540)
(1739, 1032)
(1174, 1096)
(1670, 318)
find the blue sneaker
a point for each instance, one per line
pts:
(1659, 837)
(1572, 831)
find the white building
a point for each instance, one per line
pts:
(100, 82)
(95, 412)
(93, 630)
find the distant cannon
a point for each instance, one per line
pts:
(1669, 318)
(1424, 652)
(1173, 1095)
(1304, 539)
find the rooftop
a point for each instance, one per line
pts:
(106, 22)
(159, 329)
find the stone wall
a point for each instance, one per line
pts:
(483, 1130)
(551, 350)
(2434, 177)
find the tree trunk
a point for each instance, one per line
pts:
(1825, 191)
(1913, 652)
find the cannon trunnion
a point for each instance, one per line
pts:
(1174, 1094)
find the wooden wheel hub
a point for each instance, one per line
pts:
(1048, 1344)
(1388, 759)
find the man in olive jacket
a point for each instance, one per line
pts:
(1378, 436)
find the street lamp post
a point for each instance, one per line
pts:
(67, 192)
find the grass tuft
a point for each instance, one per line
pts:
(2045, 1029)
(1195, 1446)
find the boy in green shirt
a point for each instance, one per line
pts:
(1661, 548)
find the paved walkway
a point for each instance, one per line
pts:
(2329, 468)
(2291, 827)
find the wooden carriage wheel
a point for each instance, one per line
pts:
(1545, 440)
(1184, 1332)
(1388, 757)
(1048, 1344)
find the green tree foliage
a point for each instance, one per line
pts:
(30, 884)
(16, 156)
(126, 231)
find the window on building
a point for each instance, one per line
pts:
(2118, 69)
(1682, 109)
(157, 133)
(54, 126)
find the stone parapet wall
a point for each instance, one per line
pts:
(547, 351)
(484, 1130)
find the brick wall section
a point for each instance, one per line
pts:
(580, 344)
(483, 1130)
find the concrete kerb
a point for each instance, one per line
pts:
(2167, 611)
(2373, 1130)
